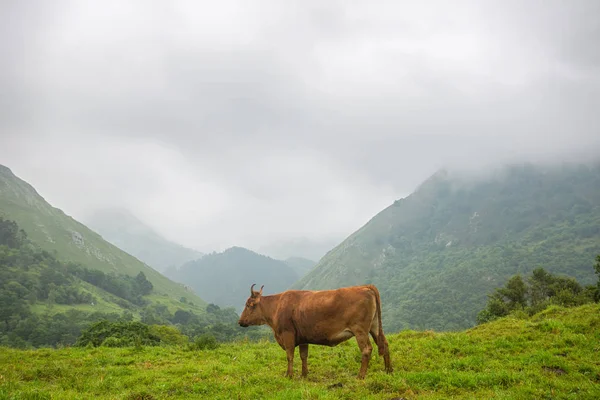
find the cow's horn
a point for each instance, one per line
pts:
(252, 288)
(261, 288)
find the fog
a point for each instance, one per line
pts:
(285, 126)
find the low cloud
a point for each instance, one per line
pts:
(265, 123)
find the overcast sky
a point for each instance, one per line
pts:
(256, 123)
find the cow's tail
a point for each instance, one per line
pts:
(381, 342)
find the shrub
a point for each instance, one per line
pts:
(168, 334)
(204, 342)
(120, 333)
(116, 342)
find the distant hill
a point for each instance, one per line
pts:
(225, 278)
(121, 228)
(71, 241)
(300, 265)
(436, 254)
(310, 249)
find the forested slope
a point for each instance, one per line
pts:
(52, 230)
(436, 254)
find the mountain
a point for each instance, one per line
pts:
(436, 254)
(298, 247)
(121, 228)
(54, 231)
(225, 278)
(300, 265)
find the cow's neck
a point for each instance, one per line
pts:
(268, 305)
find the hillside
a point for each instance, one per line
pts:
(124, 230)
(71, 241)
(550, 355)
(225, 278)
(46, 302)
(300, 265)
(436, 254)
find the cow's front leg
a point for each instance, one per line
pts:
(304, 357)
(290, 358)
(289, 344)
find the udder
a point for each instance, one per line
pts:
(340, 337)
(326, 340)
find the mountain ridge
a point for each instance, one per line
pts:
(224, 278)
(436, 253)
(123, 229)
(53, 230)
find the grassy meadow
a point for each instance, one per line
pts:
(553, 355)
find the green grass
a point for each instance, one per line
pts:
(553, 355)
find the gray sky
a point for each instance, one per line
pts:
(258, 123)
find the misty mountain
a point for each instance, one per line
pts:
(54, 231)
(225, 278)
(300, 265)
(299, 247)
(121, 228)
(437, 253)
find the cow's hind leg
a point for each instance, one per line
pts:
(364, 344)
(304, 357)
(382, 347)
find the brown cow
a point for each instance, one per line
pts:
(324, 317)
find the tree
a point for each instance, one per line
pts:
(181, 317)
(212, 308)
(539, 291)
(144, 285)
(539, 284)
(10, 234)
(515, 291)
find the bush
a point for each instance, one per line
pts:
(168, 334)
(118, 334)
(204, 342)
(116, 342)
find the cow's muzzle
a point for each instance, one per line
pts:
(242, 324)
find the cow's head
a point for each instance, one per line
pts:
(252, 314)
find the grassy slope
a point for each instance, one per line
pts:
(52, 229)
(555, 354)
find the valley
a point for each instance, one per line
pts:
(435, 255)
